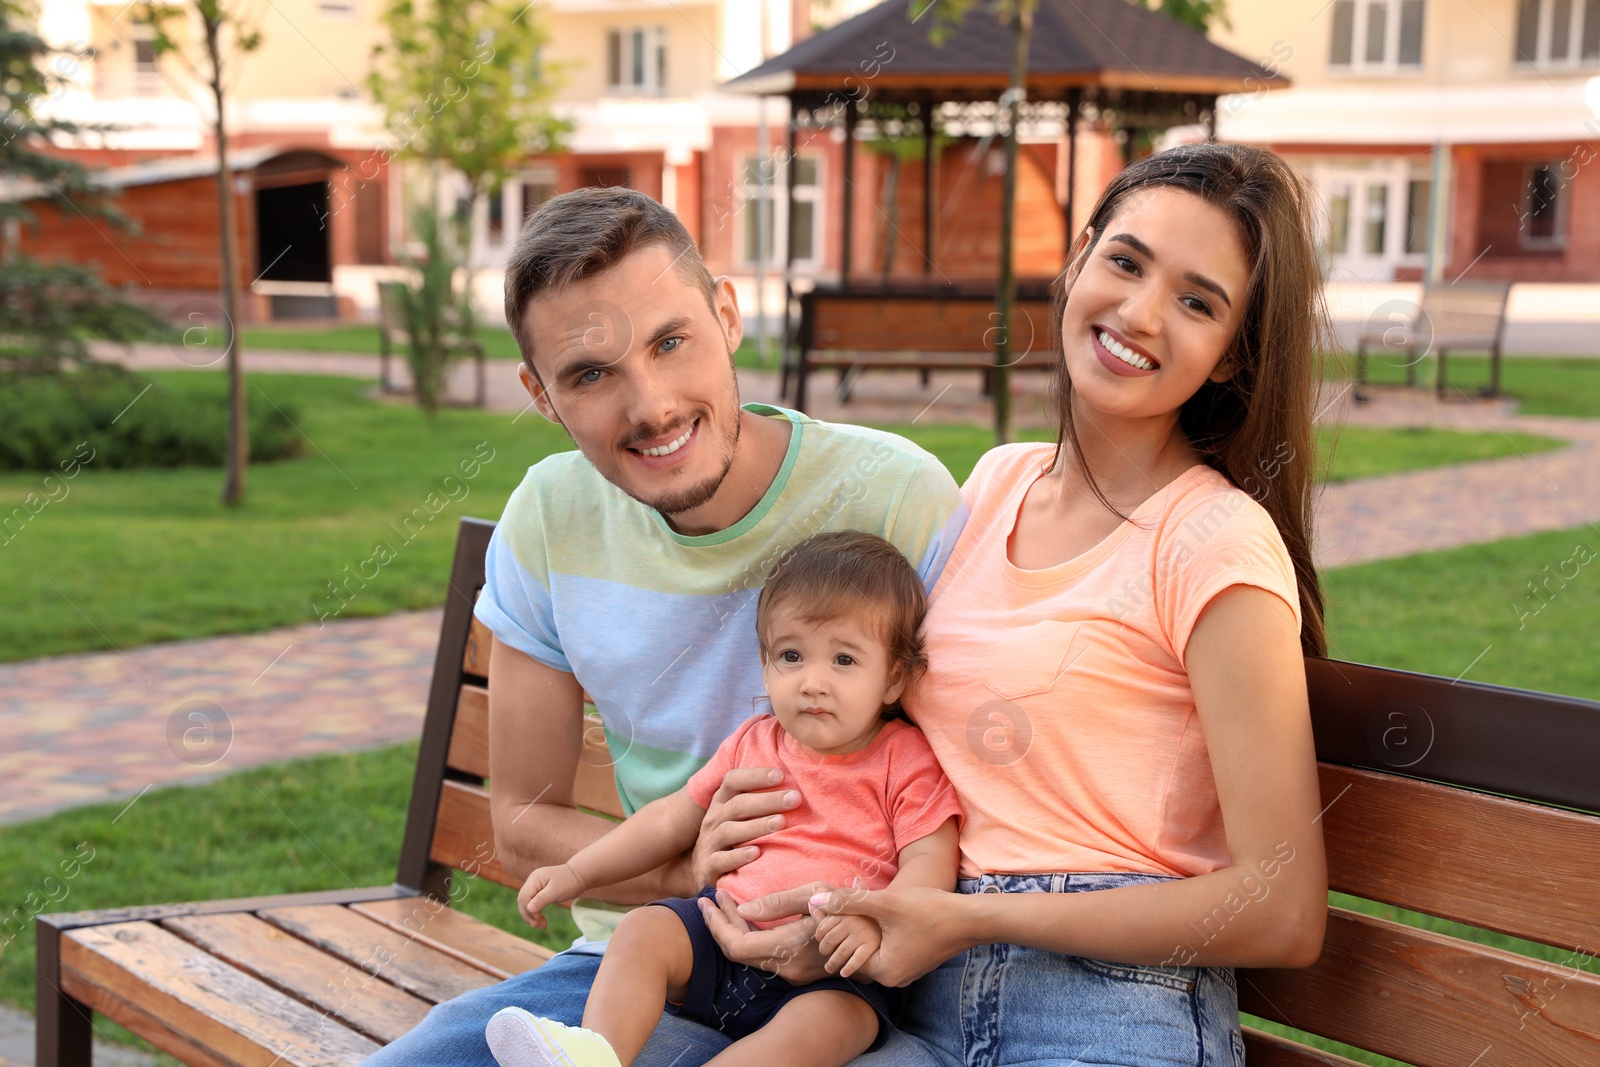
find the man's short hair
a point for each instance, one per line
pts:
(578, 235)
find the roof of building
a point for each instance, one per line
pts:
(1109, 44)
(165, 169)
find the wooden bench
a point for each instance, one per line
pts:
(910, 327)
(393, 337)
(1449, 798)
(1462, 315)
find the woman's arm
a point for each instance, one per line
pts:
(1265, 909)
(850, 941)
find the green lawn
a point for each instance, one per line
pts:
(131, 557)
(1541, 385)
(363, 338)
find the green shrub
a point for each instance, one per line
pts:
(46, 419)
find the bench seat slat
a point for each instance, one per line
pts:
(1432, 1000)
(449, 931)
(1262, 1049)
(1506, 865)
(367, 1004)
(230, 1016)
(376, 948)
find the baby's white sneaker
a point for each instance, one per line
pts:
(521, 1039)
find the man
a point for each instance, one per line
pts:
(630, 568)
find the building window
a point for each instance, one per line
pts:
(1376, 35)
(146, 66)
(636, 61)
(1558, 33)
(1543, 215)
(1376, 217)
(535, 193)
(766, 222)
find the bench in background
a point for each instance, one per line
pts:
(1469, 802)
(911, 327)
(1452, 316)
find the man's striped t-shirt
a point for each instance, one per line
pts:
(658, 627)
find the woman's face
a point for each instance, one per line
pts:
(1155, 305)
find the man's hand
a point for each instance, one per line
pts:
(744, 807)
(848, 942)
(546, 886)
(789, 950)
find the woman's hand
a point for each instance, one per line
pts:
(920, 928)
(744, 807)
(789, 950)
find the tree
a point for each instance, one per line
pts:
(465, 87)
(222, 34)
(47, 310)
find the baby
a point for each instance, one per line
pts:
(837, 624)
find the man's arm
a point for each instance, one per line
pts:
(535, 740)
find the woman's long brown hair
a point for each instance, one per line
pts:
(1255, 427)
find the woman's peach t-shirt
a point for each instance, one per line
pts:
(1057, 701)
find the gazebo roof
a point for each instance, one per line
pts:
(1075, 44)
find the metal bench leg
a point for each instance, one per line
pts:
(847, 382)
(1438, 388)
(783, 380)
(483, 381)
(1361, 373)
(63, 1036)
(987, 380)
(1494, 370)
(1411, 368)
(927, 377)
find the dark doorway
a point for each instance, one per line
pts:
(603, 176)
(292, 233)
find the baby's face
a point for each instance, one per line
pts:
(829, 681)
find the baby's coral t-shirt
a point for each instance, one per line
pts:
(1057, 699)
(856, 812)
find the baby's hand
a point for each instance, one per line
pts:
(848, 942)
(546, 886)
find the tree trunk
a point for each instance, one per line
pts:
(238, 450)
(1021, 25)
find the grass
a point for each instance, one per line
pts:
(363, 338)
(1540, 385)
(1526, 606)
(133, 557)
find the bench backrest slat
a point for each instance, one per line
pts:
(1465, 312)
(1430, 999)
(915, 324)
(1505, 865)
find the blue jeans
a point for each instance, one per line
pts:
(991, 1006)
(997, 1005)
(451, 1034)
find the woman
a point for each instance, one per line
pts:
(1117, 688)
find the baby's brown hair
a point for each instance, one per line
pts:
(849, 573)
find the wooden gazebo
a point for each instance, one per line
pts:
(1114, 61)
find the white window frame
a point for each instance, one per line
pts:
(650, 63)
(1541, 61)
(486, 248)
(746, 213)
(1390, 63)
(146, 80)
(1353, 262)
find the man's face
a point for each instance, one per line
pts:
(639, 370)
